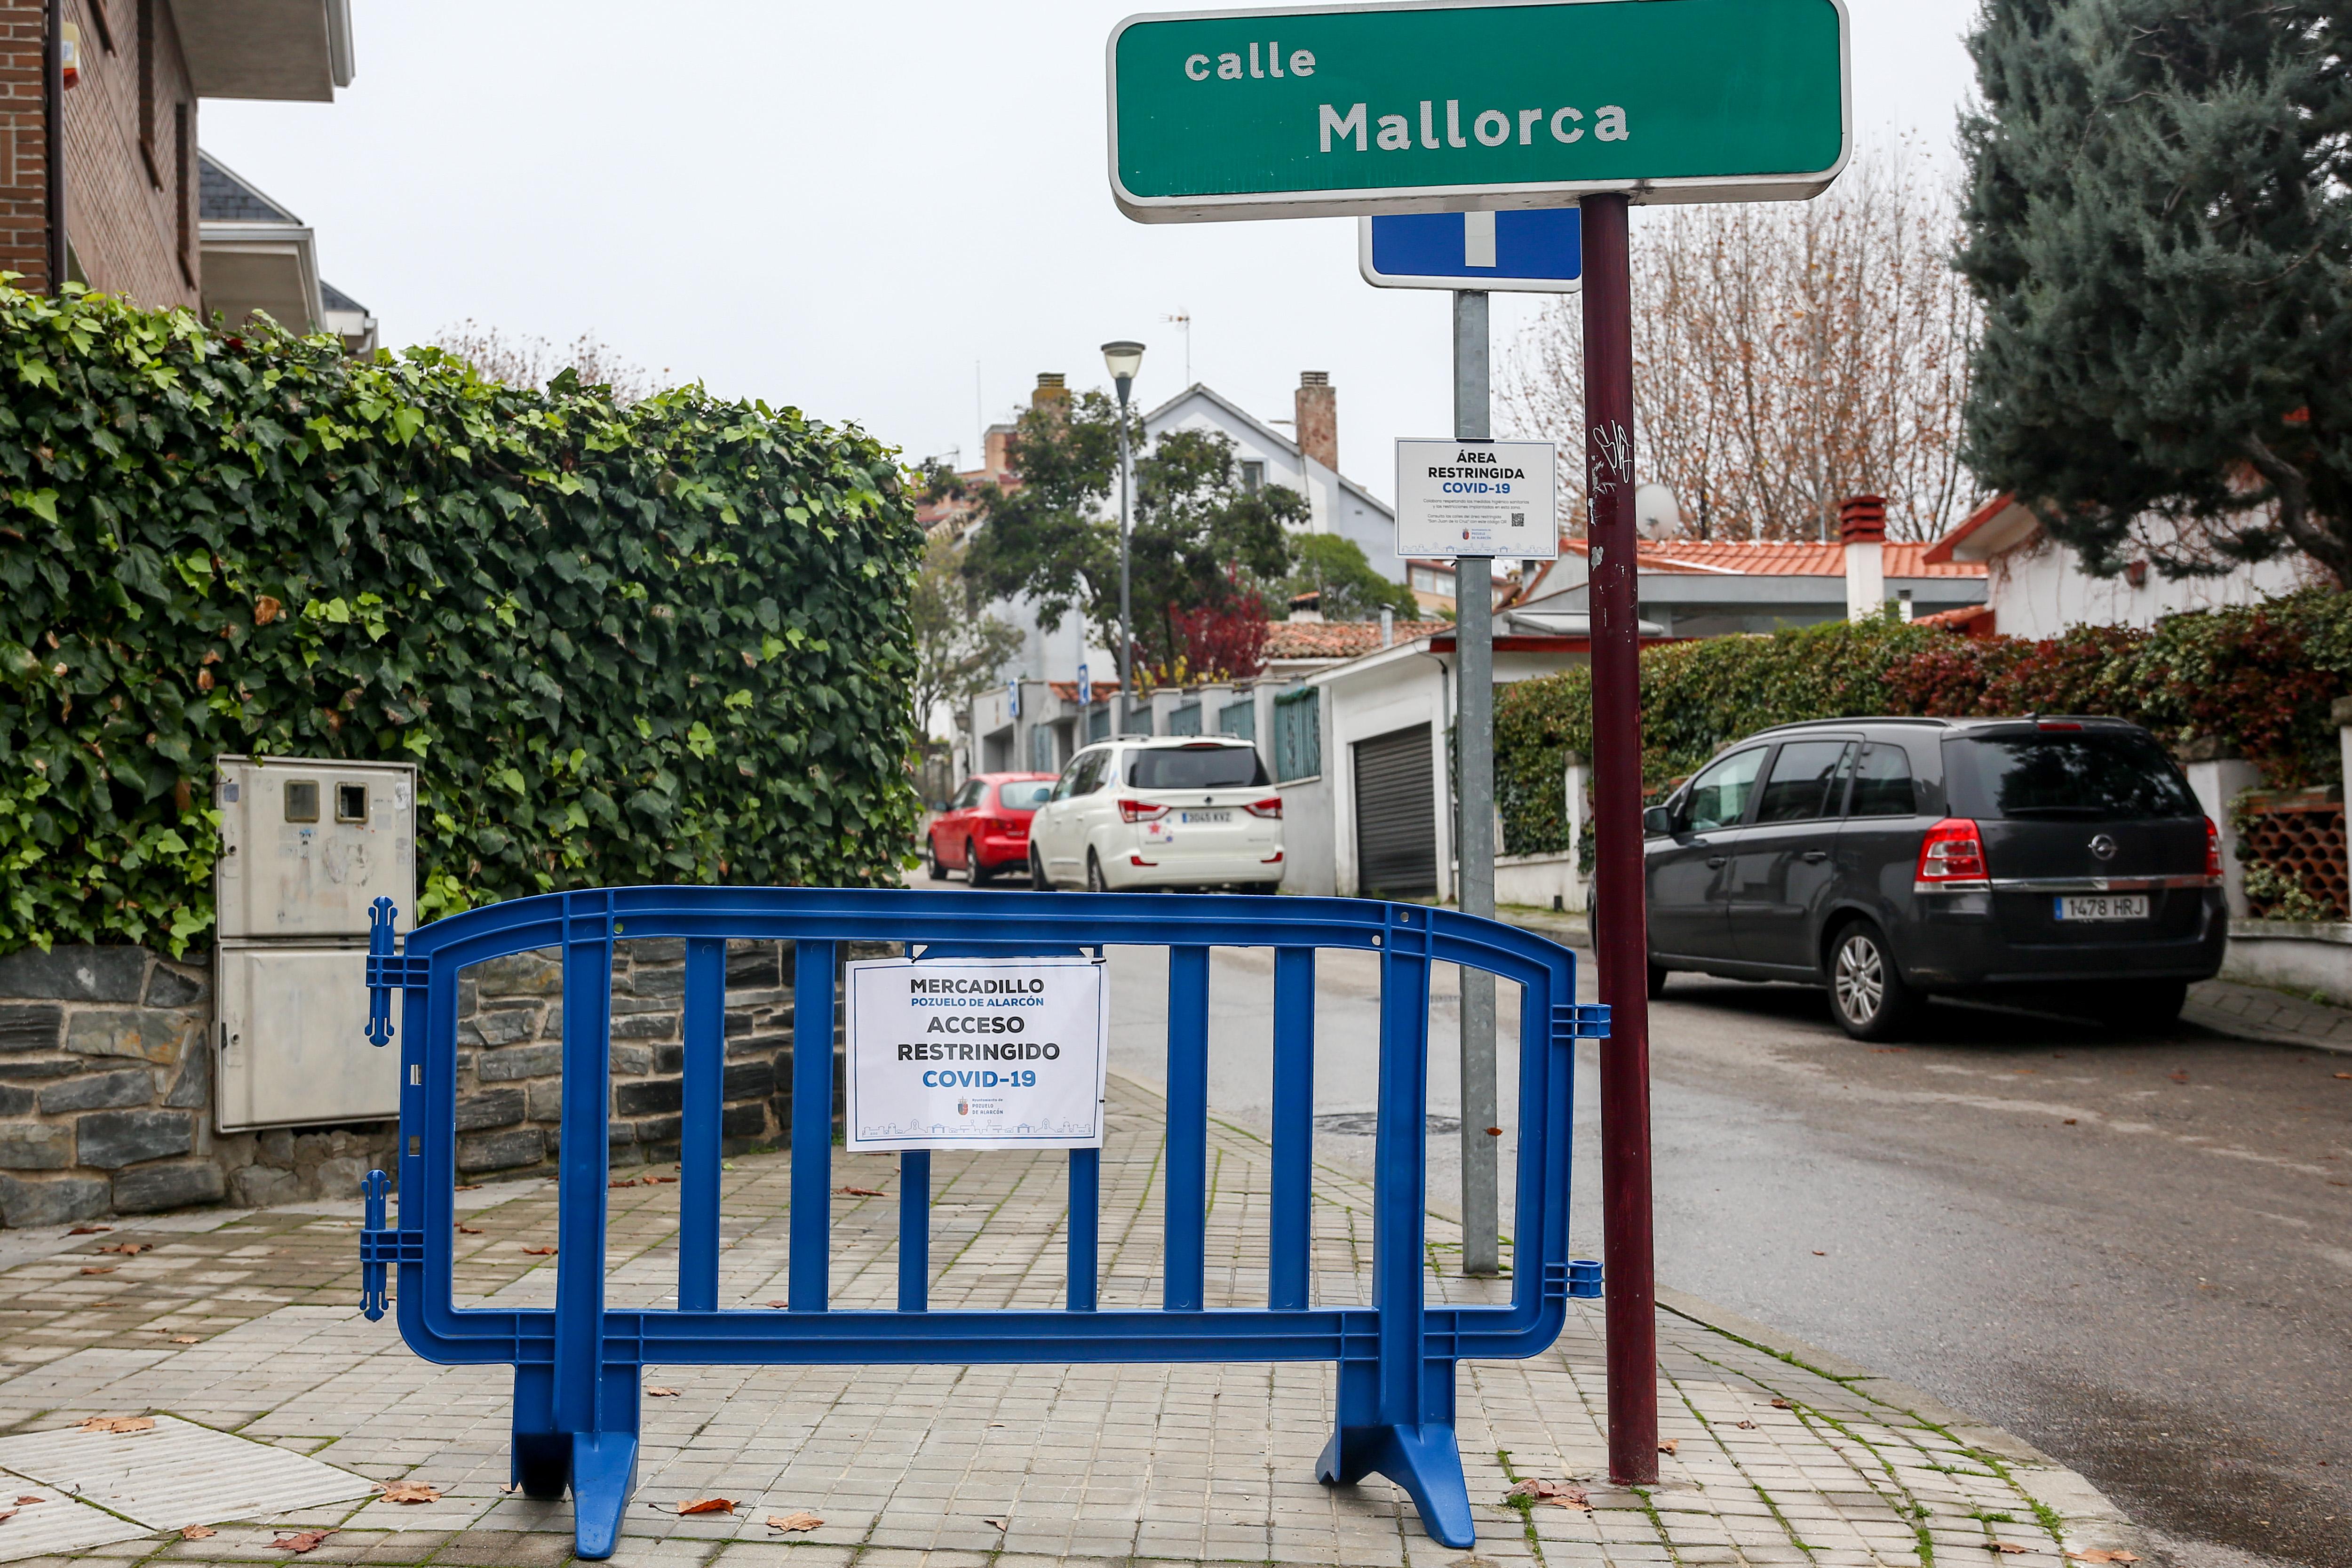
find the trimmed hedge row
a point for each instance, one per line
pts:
(2259, 681)
(663, 642)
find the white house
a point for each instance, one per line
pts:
(1033, 721)
(2036, 587)
(1360, 757)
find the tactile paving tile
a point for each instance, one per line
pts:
(55, 1524)
(177, 1474)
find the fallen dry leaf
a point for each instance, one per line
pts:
(1744, 1425)
(1889, 1050)
(469, 1230)
(1819, 1253)
(1559, 1494)
(1670, 1445)
(6, 1514)
(2338, 1075)
(708, 1505)
(538, 1251)
(411, 1491)
(101, 1230)
(2102, 1554)
(780, 1306)
(662, 1393)
(627, 1184)
(304, 1541)
(2178, 1075)
(196, 1531)
(1001, 1524)
(191, 1339)
(858, 1191)
(26, 1502)
(1782, 1405)
(106, 1271)
(799, 1520)
(2002, 1546)
(129, 1248)
(659, 1181)
(468, 1187)
(2070, 1120)
(119, 1424)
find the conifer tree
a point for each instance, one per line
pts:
(2158, 221)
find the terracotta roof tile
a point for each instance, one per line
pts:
(1748, 558)
(1339, 639)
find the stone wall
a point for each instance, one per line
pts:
(509, 1054)
(106, 1092)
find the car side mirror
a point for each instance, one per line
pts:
(1657, 822)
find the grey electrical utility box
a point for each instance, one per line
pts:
(307, 846)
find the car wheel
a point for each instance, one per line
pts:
(1866, 991)
(1658, 972)
(939, 872)
(1037, 880)
(1094, 883)
(973, 871)
(2146, 1007)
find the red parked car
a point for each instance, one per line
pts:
(985, 828)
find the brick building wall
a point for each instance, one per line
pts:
(24, 148)
(131, 152)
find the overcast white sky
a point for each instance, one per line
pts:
(849, 208)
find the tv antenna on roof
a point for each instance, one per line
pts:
(1183, 317)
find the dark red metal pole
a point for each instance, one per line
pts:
(1620, 938)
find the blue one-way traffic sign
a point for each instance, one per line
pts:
(1533, 252)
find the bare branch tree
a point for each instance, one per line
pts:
(1786, 356)
(527, 360)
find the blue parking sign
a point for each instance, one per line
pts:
(1540, 251)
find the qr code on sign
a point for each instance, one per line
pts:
(1518, 519)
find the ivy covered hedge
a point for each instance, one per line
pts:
(663, 642)
(2259, 681)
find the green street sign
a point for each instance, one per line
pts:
(1325, 110)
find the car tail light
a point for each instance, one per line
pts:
(1140, 860)
(1952, 854)
(1270, 806)
(1140, 810)
(2059, 725)
(2213, 853)
(1273, 859)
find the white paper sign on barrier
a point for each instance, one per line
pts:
(1477, 498)
(976, 1052)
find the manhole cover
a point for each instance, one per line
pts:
(177, 1474)
(1365, 1123)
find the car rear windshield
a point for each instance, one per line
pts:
(1027, 796)
(1197, 767)
(2084, 775)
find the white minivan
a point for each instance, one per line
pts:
(1168, 812)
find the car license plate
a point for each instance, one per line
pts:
(1204, 818)
(2104, 907)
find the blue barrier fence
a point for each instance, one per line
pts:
(577, 1366)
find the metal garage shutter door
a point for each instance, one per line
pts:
(1396, 817)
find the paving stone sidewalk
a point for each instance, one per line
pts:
(248, 1322)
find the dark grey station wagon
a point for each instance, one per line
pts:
(1891, 859)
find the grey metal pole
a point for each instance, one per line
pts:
(1126, 638)
(1473, 707)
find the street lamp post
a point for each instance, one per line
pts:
(1124, 358)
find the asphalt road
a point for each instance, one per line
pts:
(2135, 1253)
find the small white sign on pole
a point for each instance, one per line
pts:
(1477, 498)
(979, 1053)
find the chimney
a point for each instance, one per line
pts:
(1052, 393)
(995, 461)
(1862, 528)
(1318, 408)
